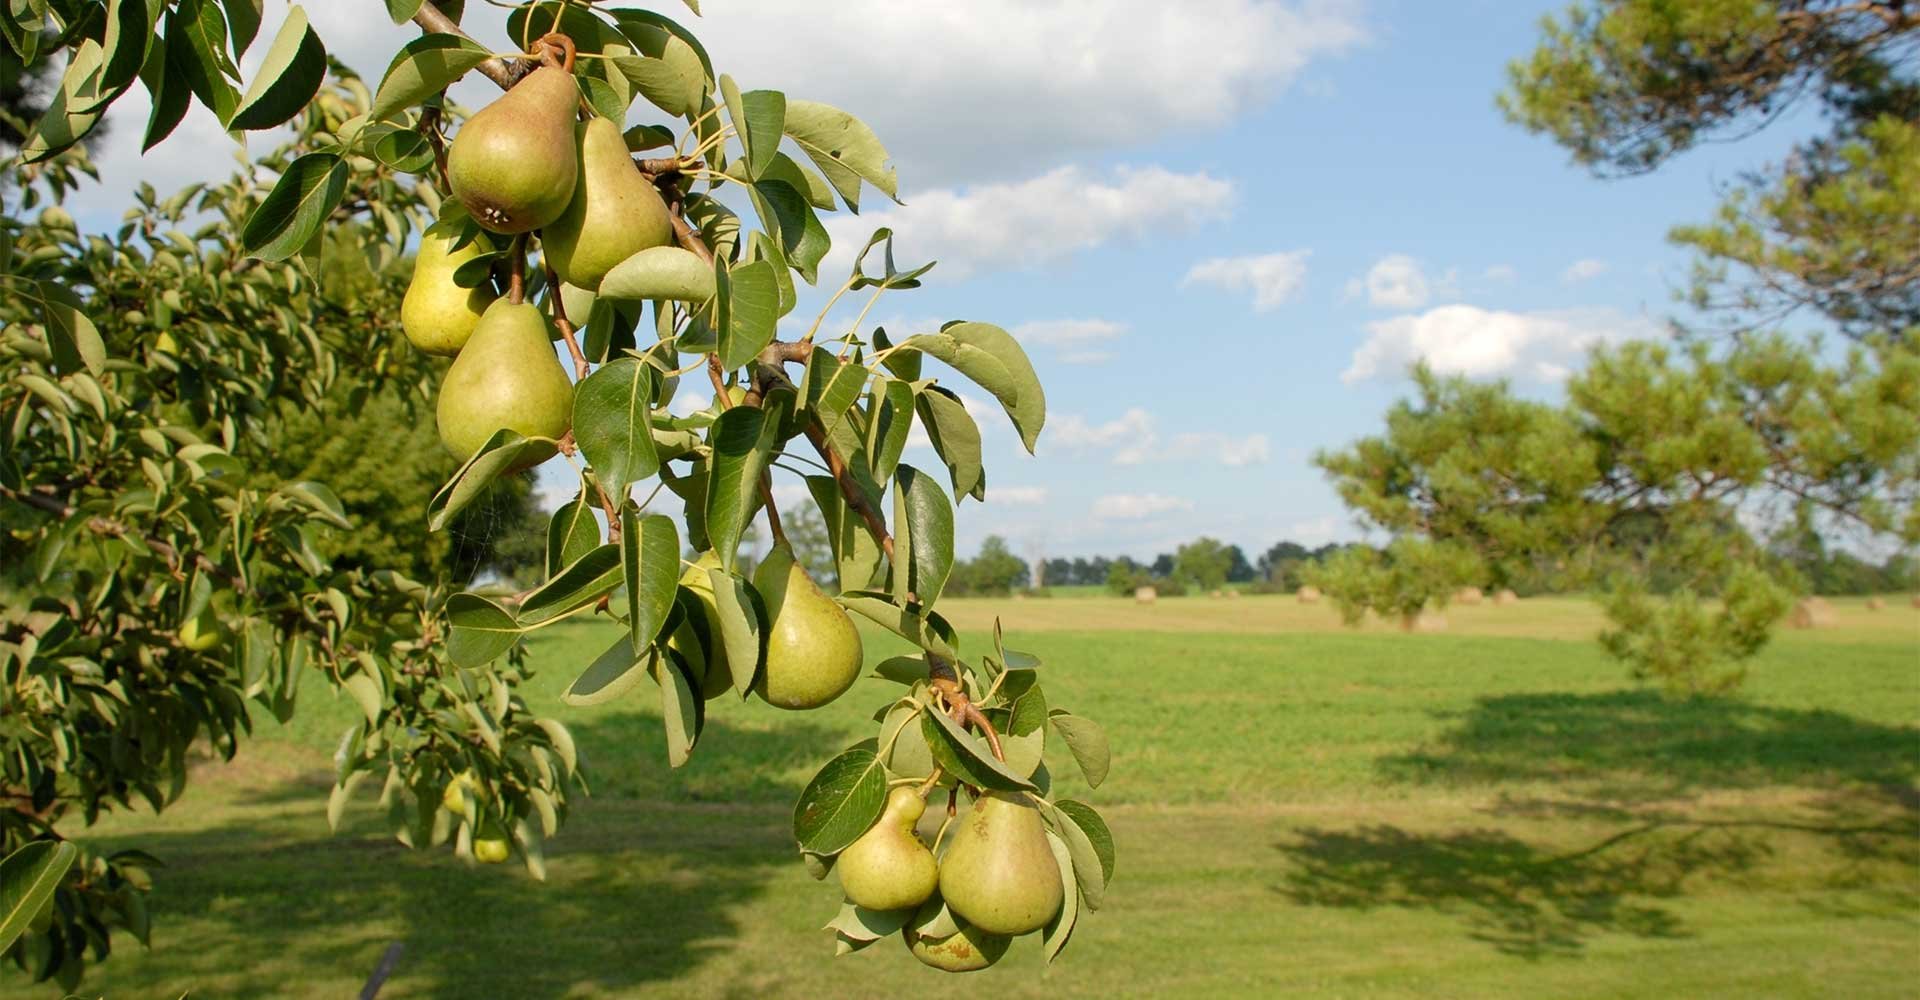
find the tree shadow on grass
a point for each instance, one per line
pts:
(637, 891)
(1638, 745)
(1635, 774)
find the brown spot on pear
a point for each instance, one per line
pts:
(813, 648)
(615, 213)
(506, 377)
(888, 868)
(969, 949)
(514, 163)
(999, 873)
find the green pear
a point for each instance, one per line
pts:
(813, 648)
(490, 847)
(969, 949)
(615, 212)
(465, 786)
(201, 632)
(999, 873)
(438, 315)
(888, 868)
(507, 376)
(717, 672)
(513, 163)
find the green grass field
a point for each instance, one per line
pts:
(1300, 809)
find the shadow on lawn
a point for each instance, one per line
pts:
(1626, 764)
(1638, 745)
(637, 892)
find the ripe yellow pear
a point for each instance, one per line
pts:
(513, 163)
(490, 847)
(813, 648)
(718, 673)
(969, 949)
(507, 376)
(438, 315)
(615, 213)
(201, 632)
(463, 786)
(888, 868)
(999, 874)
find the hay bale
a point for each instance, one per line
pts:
(1216, 595)
(1468, 595)
(1425, 621)
(1814, 612)
(1505, 598)
(1875, 604)
(1146, 594)
(1233, 593)
(1311, 595)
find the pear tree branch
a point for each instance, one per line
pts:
(430, 19)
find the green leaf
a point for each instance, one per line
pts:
(1060, 928)
(28, 878)
(832, 387)
(482, 630)
(288, 78)
(364, 689)
(889, 423)
(501, 453)
(844, 149)
(993, 359)
(682, 709)
(913, 622)
(786, 214)
(750, 310)
(402, 11)
(862, 924)
(316, 497)
(202, 32)
(907, 670)
(808, 182)
(613, 423)
(742, 442)
(956, 439)
(243, 23)
(741, 627)
(165, 77)
(590, 578)
(890, 276)
(968, 757)
(296, 208)
(610, 675)
(74, 108)
(650, 554)
(71, 336)
(930, 516)
(423, 68)
(1087, 741)
(842, 800)
(1091, 844)
(671, 82)
(571, 533)
(660, 273)
(129, 36)
(857, 557)
(758, 118)
(1026, 703)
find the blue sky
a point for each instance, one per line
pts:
(1222, 228)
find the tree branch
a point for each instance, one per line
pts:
(500, 71)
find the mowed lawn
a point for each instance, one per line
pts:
(1300, 809)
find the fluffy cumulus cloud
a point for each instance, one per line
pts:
(1036, 221)
(1586, 269)
(1395, 281)
(1485, 343)
(1017, 496)
(1134, 438)
(1137, 506)
(1272, 278)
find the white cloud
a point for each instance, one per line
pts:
(1223, 448)
(1396, 281)
(790, 494)
(1017, 496)
(1583, 270)
(1037, 221)
(687, 402)
(1500, 272)
(940, 83)
(1318, 531)
(1273, 278)
(1467, 340)
(1137, 506)
(1067, 332)
(1086, 357)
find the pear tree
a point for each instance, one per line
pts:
(623, 199)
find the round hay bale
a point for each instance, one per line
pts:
(1233, 593)
(1875, 604)
(1916, 600)
(1468, 595)
(1505, 598)
(1425, 621)
(1814, 612)
(1146, 595)
(1217, 594)
(1311, 595)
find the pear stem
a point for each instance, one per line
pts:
(517, 273)
(565, 325)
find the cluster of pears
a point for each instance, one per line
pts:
(490, 845)
(998, 877)
(523, 164)
(813, 648)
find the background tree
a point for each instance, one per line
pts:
(994, 570)
(1202, 563)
